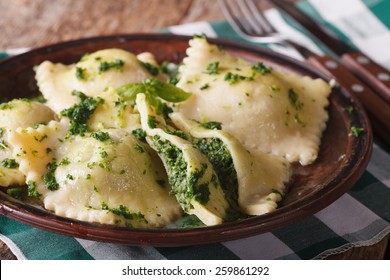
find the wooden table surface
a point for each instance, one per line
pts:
(34, 23)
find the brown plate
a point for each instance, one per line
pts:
(314, 187)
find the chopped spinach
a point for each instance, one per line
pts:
(80, 113)
(139, 133)
(49, 178)
(16, 192)
(212, 125)
(116, 64)
(261, 68)
(100, 135)
(152, 69)
(212, 68)
(185, 186)
(9, 163)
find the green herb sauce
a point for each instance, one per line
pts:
(65, 161)
(212, 125)
(80, 113)
(212, 68)
(31, 190)
(293, 98)
(261, 68)
(116, 64)
(233, 78)
(151, 68)
(139, 133)
(100, 135)
(124, 212)
(16, 192)
(184, 186)
(81, 73)
(139, 148)
(49, 178)
(9, 163)
(205, 86)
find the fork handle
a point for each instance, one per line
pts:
(377, 109)
(377, 77)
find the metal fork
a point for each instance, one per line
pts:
(248, 21)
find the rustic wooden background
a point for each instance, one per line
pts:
(34, 23)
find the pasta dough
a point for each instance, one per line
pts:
(258, 179)
(110, 180)
(114, 112)
(266, 110)
(191, 175)
(93, 74)
(21, 113)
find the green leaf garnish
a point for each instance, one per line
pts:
(153, 88)
(356, 131)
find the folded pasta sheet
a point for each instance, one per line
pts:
(193, 180)
(254, 181)
(267, 110)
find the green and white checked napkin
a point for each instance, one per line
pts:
(361, 217)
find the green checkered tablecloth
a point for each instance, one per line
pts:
(360, 217)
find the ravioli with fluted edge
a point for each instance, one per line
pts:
(265, 109)
(107, 177)
(255, 181)
(93, 74)
(14, 114)
(193, 180)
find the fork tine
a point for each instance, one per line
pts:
(237, 14)
(230, 16)
(255, 28)
(234, 15)
(261, 20)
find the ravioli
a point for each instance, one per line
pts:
(107, 177)
(190, 173)
(255, 181)
(114, 112)
(17, 113)
(93, 74)
(267, 110)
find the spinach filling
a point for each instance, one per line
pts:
(222, 161)
(186, 188)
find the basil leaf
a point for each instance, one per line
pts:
(130, 91)
(153, 88)
(168, 92)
